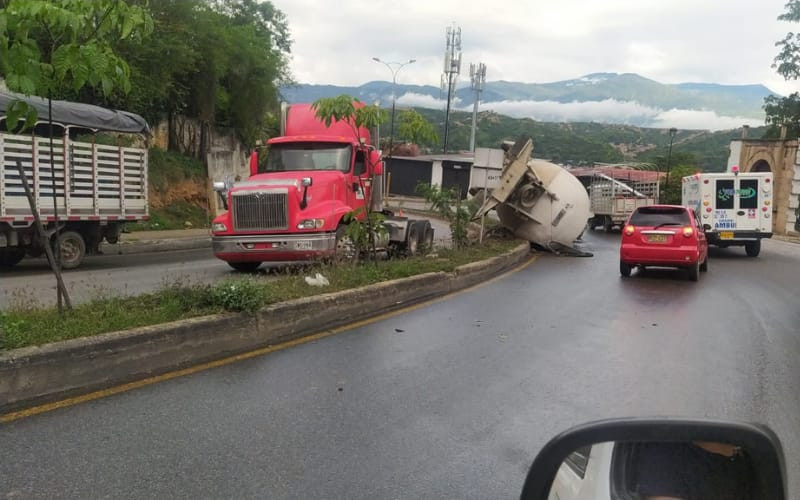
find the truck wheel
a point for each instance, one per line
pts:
(412, 240)
(624, 269)
(427, 240)
(608, 225)
(345, 249)
(694, 271)
(753, 248)
(245, 267)
(72, 249)
(10, 258)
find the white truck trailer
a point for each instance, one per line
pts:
(97, 187)
(734, 208)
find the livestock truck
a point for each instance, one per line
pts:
(296, 205)
(613, 200)
(98, 187)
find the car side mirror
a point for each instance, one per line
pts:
(644, 457)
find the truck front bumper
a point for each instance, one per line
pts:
(276, 248)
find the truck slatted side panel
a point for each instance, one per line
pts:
(92, 181)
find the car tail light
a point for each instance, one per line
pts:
(688, 232)
(629, 230)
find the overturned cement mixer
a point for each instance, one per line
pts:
(539, 201)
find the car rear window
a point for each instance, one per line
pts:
(650, 216)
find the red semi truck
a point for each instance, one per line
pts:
(293, 207)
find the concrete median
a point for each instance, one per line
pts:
(36, 375)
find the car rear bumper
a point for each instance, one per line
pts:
(282, 247)
(739, 237)
(637, 255)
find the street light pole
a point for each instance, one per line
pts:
(672, 133)
(394, 96)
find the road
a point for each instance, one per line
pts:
(31, 282)
(449, 400)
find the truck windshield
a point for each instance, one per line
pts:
(307, 156)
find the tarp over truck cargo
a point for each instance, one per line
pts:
(80, 115)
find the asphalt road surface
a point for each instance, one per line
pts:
(31, 281)
(449, 400)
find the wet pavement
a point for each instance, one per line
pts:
(452, 399)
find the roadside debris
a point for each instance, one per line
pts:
(318, 280)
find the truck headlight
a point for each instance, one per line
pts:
(311, 224)
(219, 227)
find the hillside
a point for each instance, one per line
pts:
(582, 143)
(602, 97)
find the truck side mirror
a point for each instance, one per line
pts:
(222, 192)
(706, 227)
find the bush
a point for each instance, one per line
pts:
(238, 295)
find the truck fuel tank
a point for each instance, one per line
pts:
(539, 201)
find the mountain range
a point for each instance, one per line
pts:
(626, 98)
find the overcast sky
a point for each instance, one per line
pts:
(671, 41)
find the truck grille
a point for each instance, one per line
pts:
(259, 211)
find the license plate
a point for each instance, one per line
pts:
(726, 235)
(302, 245)
(657, 238)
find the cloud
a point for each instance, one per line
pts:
(605, 111)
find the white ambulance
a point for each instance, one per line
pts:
(734, 208)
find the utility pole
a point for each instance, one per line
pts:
(477, 76)
(452, 68)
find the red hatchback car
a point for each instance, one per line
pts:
(664, 236)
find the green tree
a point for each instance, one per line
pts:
(671, 193)
(347, 109)
(413, 127)
(786, 110)
(47, 47)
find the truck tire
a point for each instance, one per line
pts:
(344, 248)
(10, 258)
(412, 240)
(72, 249)
(753, 248)
(608, 224)
(427, 239)
(245, 267)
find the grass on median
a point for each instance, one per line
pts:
(26, 325)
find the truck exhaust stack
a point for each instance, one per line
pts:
(539, 201)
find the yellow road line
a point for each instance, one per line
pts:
(35, 410)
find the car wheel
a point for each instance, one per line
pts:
(753, 248)
(704, 265)
(694, 271)
(245, 267)
(624, 269)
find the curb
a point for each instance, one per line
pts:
(149, 246)
(35, 375)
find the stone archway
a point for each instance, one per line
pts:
(761, 166)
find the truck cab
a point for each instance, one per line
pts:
(293, 205)
(735, 208)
